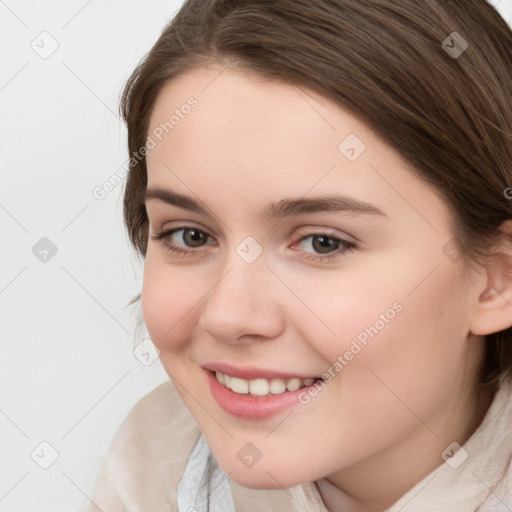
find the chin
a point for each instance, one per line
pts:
(259, 478)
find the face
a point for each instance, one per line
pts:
(290, 246)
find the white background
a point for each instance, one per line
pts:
(68, 370)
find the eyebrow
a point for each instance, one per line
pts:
(283, 208)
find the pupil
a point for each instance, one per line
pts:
(324, 244)
(193, 237)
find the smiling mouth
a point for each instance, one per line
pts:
(262, 387)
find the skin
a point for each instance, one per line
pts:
(383, 421)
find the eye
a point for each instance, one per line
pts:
(183, 240)
(190, 237)
(321, 246)
(188, 241)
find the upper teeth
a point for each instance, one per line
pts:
(261, 387)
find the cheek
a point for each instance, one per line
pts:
(382, 333)
(347, 314)
(170, 296)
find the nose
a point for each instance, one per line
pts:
(243, 306)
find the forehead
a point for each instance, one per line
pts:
(244, 112)
(265, 138)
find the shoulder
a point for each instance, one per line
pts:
(156, 418)
(500, 426)
(148, 455)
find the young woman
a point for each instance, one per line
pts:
(321, 191)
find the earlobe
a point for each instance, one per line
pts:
(493, 309)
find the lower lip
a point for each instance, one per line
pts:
(248, 407)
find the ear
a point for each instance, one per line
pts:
(493, 311)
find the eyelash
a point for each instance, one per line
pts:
(163, 236)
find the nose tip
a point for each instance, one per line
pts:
(241, 306)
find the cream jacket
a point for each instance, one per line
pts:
(148, 456)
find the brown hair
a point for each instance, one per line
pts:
(389, 62)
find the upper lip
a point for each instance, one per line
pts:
(251, 372)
